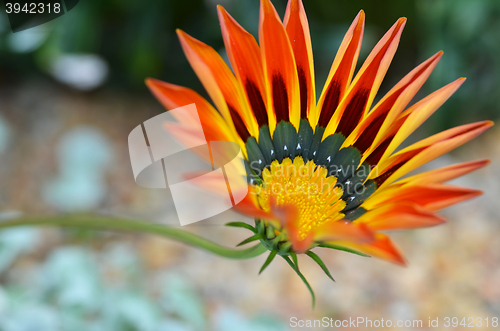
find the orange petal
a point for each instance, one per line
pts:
(250, 207)
(365, 85)
(245, 57)
(398, 216)
(279, 68)
(212, 182)
(297, 28)
(414, 116)
(371, 129)
(185, 134)
(426, 150)
(431, 197)
(444, 174)
(341, 73)
(289, 219)
(342, 230)
(220, 84)
(174, 96)
(382, 247)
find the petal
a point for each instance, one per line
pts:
(279, 68)
(398, 216)
(370, 130)
(297, 28)
(331, 231)
(213, 182)
(186, 134)
(426, 150)
(279, 216)
(289, 219)
(444, 174)
(173, 96)
(250, 207)
(382, 247)
(341, 73)
(362, 91)
(342, 230)
(431, 197)
(245, 57)
(411, 119)
(220, 84)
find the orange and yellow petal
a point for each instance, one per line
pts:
(362, 90)
(245, 57)
(297, 29)
(382, 247)
(279, 68)
(340, 74)
(399, 216)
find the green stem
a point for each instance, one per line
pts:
(98, 222)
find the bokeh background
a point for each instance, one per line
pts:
(71, 91)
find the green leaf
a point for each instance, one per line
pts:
(287, 259)
(320, 262)
(241, 225)
(269, 259)
(260, 227)
(285, 248)
(340, 248)
(270, 233)
(295, 261)
(248, 240)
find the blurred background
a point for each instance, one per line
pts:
(72, 89)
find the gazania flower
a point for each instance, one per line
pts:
(324, 171)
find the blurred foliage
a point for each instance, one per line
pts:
(137, 39)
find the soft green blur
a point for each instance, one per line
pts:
(137, 39)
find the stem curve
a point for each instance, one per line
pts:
(99, 222)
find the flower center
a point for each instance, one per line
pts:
(305, 186)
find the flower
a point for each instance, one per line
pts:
(323, 173)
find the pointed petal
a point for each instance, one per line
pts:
(343, 231)
(213, 182)
(297, 28)
(187, 135)
(250, 207)
(279, 68)
(414, 116)
(365, 85)
(289, 219)
(444, 174)
(370, 130)
(431, 197)
(426, 150)
(341, 73)
(398, 216)
(220, 84)
(174, 96)
(245, 57)
(382, 247)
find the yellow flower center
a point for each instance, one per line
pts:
(305, 186)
